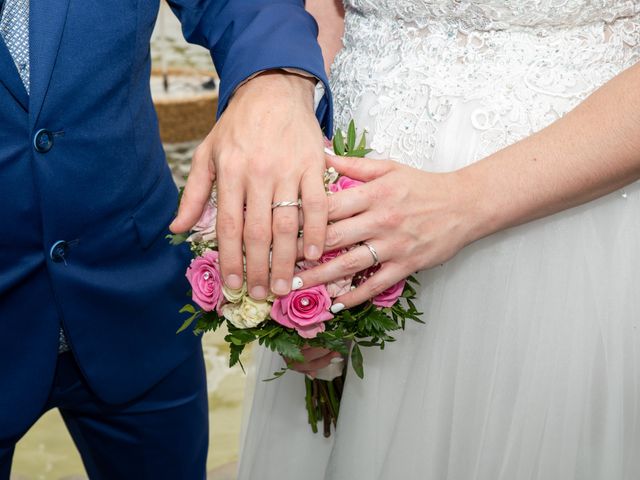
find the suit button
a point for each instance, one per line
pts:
(59, 251)
(43, 141)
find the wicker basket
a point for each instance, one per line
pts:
(189, 117)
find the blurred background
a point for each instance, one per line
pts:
(184, 90)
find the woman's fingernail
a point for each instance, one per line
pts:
(258, 293)
(313, 253)
(297, 283)
(234, 282)
(337, 308)
(328, 151)
(280, 287)
(336, 360)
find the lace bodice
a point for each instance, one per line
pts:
(502, 68)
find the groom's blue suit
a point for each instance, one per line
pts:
(86, 194)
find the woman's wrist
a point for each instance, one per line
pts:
(481, 216)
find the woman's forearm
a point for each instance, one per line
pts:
(592, 151)
(330, 17)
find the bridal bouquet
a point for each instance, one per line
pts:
(303, 317)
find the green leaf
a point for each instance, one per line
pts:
(357, 361)
(351, 136)
(234, 355)
(208, 322)
(338, 143)
(187, 322)
(188, 308)
(177, 239)
(378, 321)
(277, 374)
(360, 153)
(285, 346)
(363, 141)
(240, 337)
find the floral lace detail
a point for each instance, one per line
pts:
(516, 65)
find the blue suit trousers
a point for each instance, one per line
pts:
(162, 434)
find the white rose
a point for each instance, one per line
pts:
(231, 312)
(248, 314)
(234, 296)
(254, 312)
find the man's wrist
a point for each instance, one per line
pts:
(283, 82)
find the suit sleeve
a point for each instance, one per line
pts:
(249, 36)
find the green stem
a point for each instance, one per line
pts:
(333, 401)
(311, 410)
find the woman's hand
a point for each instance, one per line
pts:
(315, 359)
(414, 220)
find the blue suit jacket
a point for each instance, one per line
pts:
(104, 188)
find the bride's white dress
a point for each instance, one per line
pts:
(529, 364)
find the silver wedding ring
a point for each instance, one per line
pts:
(374, 254)
(297, 204)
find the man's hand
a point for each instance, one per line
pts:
(266, 148)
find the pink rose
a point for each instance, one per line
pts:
(390, 296)
(305, 310)
(205, 229)
(204, 276)
(344, 183)
(328, 256)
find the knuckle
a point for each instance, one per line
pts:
(259, 170)
(389, 165)
(257, 232)
(349, 263)
(285, 226)
(316, 203)
(231, 265)
(334, 236)
(226, 225)
(257, 273)
(389, 218)
(201, 153)
(333, 204)
(376, 288)
(225, 170)
(314, 231)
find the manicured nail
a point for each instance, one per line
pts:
(313, 253)
(234, 282)
(296, 284)
(336, 360)
(328, 151)
(280, 287)
(258, 293)
(337, 308)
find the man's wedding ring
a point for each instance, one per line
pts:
(374, 254)
(297, 204)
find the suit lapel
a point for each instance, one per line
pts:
(10, 78)
(46, 23)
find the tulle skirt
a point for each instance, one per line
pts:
(528, 366)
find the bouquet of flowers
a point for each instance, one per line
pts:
(303, 317)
